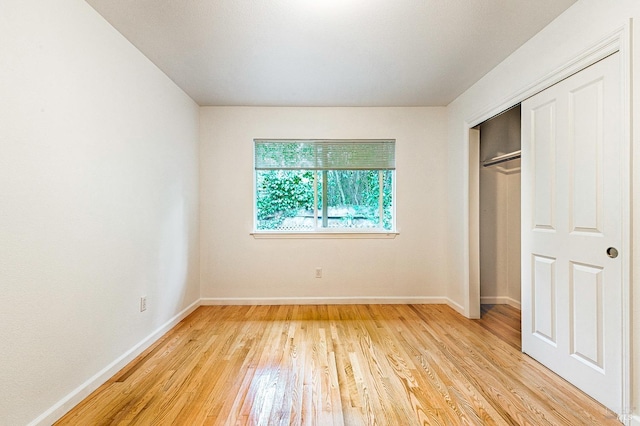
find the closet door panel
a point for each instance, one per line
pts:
(586, 116)
(544, 299)
(587, 310)
(543, 143)
(573, 172)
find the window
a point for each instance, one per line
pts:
(324, 185)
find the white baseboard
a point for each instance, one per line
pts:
(323, 300)
(502, 300)
(81, 392)
(635, 420)
(456, 307)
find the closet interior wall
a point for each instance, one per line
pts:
(500, 212)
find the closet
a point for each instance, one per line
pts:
(499, 198)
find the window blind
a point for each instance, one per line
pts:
(325, 154)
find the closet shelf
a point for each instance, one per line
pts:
(502, 158)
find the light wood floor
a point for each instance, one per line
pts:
(339, 364)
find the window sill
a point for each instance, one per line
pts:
(323, 235)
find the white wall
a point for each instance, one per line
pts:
(580, 27)
(98, 204)
(237, 267)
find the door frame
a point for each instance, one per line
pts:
(618, 41)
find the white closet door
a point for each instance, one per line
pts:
(571, 217)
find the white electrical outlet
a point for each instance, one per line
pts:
(318, 272)
(143, 303)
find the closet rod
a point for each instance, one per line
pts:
(502, 158)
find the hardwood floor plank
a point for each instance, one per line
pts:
(499, 390)
(338, 365)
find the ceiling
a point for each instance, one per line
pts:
(327, 52)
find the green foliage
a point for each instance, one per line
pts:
(281, 194)
(355, 193)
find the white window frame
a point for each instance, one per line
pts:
(318, 231)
